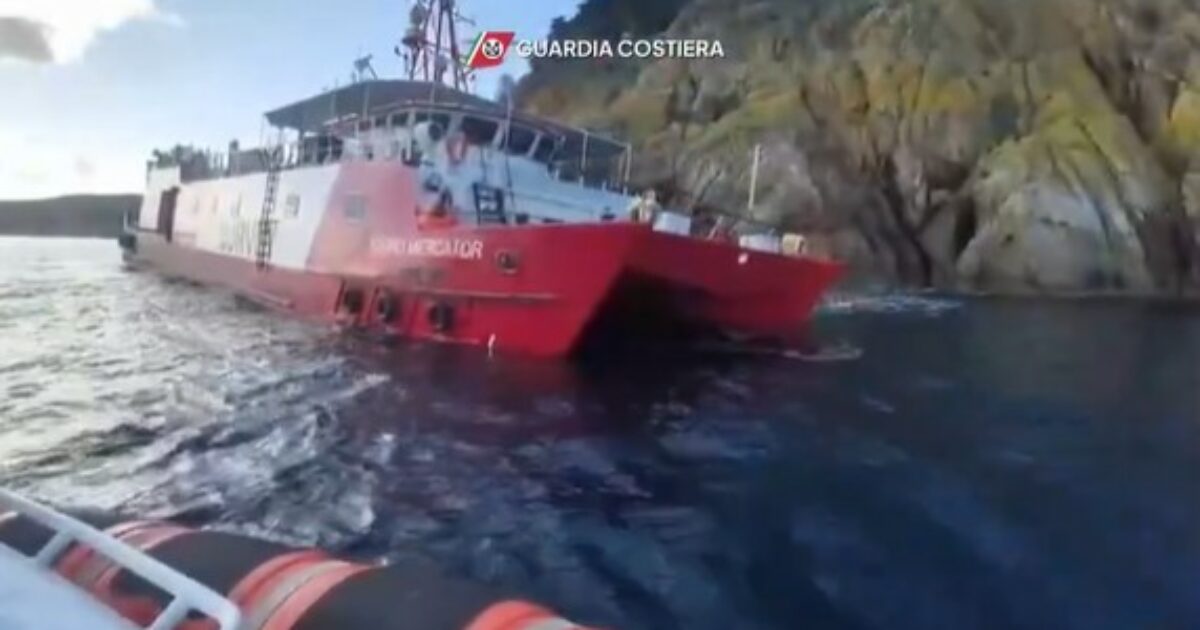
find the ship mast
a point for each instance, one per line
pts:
(430, 46)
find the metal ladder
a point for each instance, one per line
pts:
(489, 205)
(266, 218)
(186, 593)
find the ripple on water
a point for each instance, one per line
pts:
(944, 478)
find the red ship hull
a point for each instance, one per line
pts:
(537, 290)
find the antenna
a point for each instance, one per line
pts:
(430, 47)
(363, 69)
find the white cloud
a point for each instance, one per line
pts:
(69, 26)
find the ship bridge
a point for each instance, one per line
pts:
(372, 111)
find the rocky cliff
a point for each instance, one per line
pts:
(1014, 145)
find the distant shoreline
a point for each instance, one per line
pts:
(841, 299)
(99, 216)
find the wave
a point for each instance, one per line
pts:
(889, 303)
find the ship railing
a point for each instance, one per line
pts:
(187, 594)
(588, 210)
(605, 175)
(741, 231)
(705, 225)
(299, 153)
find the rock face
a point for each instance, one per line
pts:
(1015, 145)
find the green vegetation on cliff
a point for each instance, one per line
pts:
(1018, 145)
(82, 215)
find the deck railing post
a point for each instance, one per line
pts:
(754, 176)
(628, 168)
(583, 159)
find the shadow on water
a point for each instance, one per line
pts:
(981, 464)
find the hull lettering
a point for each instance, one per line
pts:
(464, 249)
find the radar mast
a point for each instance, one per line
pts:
(430, 46)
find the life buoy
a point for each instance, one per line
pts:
(386, 307)
(456, 148)
(508, 262)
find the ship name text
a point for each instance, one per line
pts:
(464, 249)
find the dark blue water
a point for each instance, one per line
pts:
(984, 464)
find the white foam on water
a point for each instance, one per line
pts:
(843, 304)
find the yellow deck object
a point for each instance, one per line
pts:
(794, 244)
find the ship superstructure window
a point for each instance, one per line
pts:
(381, 122)
(546, 147)
(355, 208)
(520, 140)
(291, 208)
(400, 120)
(479, 131)
(441, 120)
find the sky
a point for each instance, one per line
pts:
(88, 88)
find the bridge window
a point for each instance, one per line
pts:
(520, 139)
(442, 120)
(356, 207)
(546, 149)
(381, 122)
(479, 131)
(400, 120)
(364, 125)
